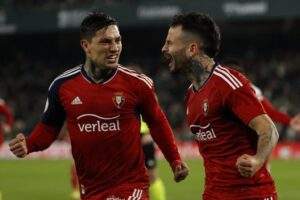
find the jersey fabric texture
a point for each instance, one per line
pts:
(218, 115)
(103, 121)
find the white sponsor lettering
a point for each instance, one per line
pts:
(99, 126)
(105, 124)
(203, 133)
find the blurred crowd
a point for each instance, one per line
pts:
(29, 65)
(60, 3)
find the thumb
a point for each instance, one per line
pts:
(20, 137)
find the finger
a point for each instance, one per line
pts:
(245, 164)
(16, 147)
(20, 153)
(20, 137)
(245, 174)
(13, 142)
(181, 175)
(243, 170)
(242, 159)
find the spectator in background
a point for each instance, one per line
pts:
(234, 134)
(101, 102)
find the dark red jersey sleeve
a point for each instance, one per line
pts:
(158, 124)
(244, 103)
(5, 111)
(41, 137)
(276, 115)
(47, 130)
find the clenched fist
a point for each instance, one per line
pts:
(248, 165)
(180, 170)
(18, 146)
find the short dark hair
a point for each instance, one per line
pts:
(93, 22)
(203, 26)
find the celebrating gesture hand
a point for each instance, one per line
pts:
(248, 165)
(18, 146)
(180, 170)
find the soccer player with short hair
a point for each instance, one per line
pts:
(101, 102)
(234, 134)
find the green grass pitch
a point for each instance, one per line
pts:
(49, 179)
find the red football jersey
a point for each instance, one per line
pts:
(103, 121)
(8, 117)
(218, 114)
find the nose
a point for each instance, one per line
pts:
(164, 48)
(115, 46)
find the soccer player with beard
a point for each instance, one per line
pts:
(101, 102)
(234, 134)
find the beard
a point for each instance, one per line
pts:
(184, 65)
(179, 59)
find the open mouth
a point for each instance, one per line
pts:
(168, 58)
(112, 58)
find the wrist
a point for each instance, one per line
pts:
(259, 159)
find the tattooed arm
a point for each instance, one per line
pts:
(248, 165)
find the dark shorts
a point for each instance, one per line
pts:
(149, 151)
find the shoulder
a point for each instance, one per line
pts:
(63, 77)
(228, 78)
(258, 92)
(137, 78)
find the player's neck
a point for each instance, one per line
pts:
(199, 72)
(96, 73)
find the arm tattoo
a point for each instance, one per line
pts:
(266, 142)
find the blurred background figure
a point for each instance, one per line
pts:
(6, 120)
(157, 187)
(276, 114)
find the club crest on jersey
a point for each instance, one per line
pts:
(205, 107)
(119, 99)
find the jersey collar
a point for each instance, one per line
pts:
(210, 74)
(107, 79)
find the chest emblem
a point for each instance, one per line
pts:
(119, 99)
(205, 107)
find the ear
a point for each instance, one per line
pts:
(85, 45)
(193, 50)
